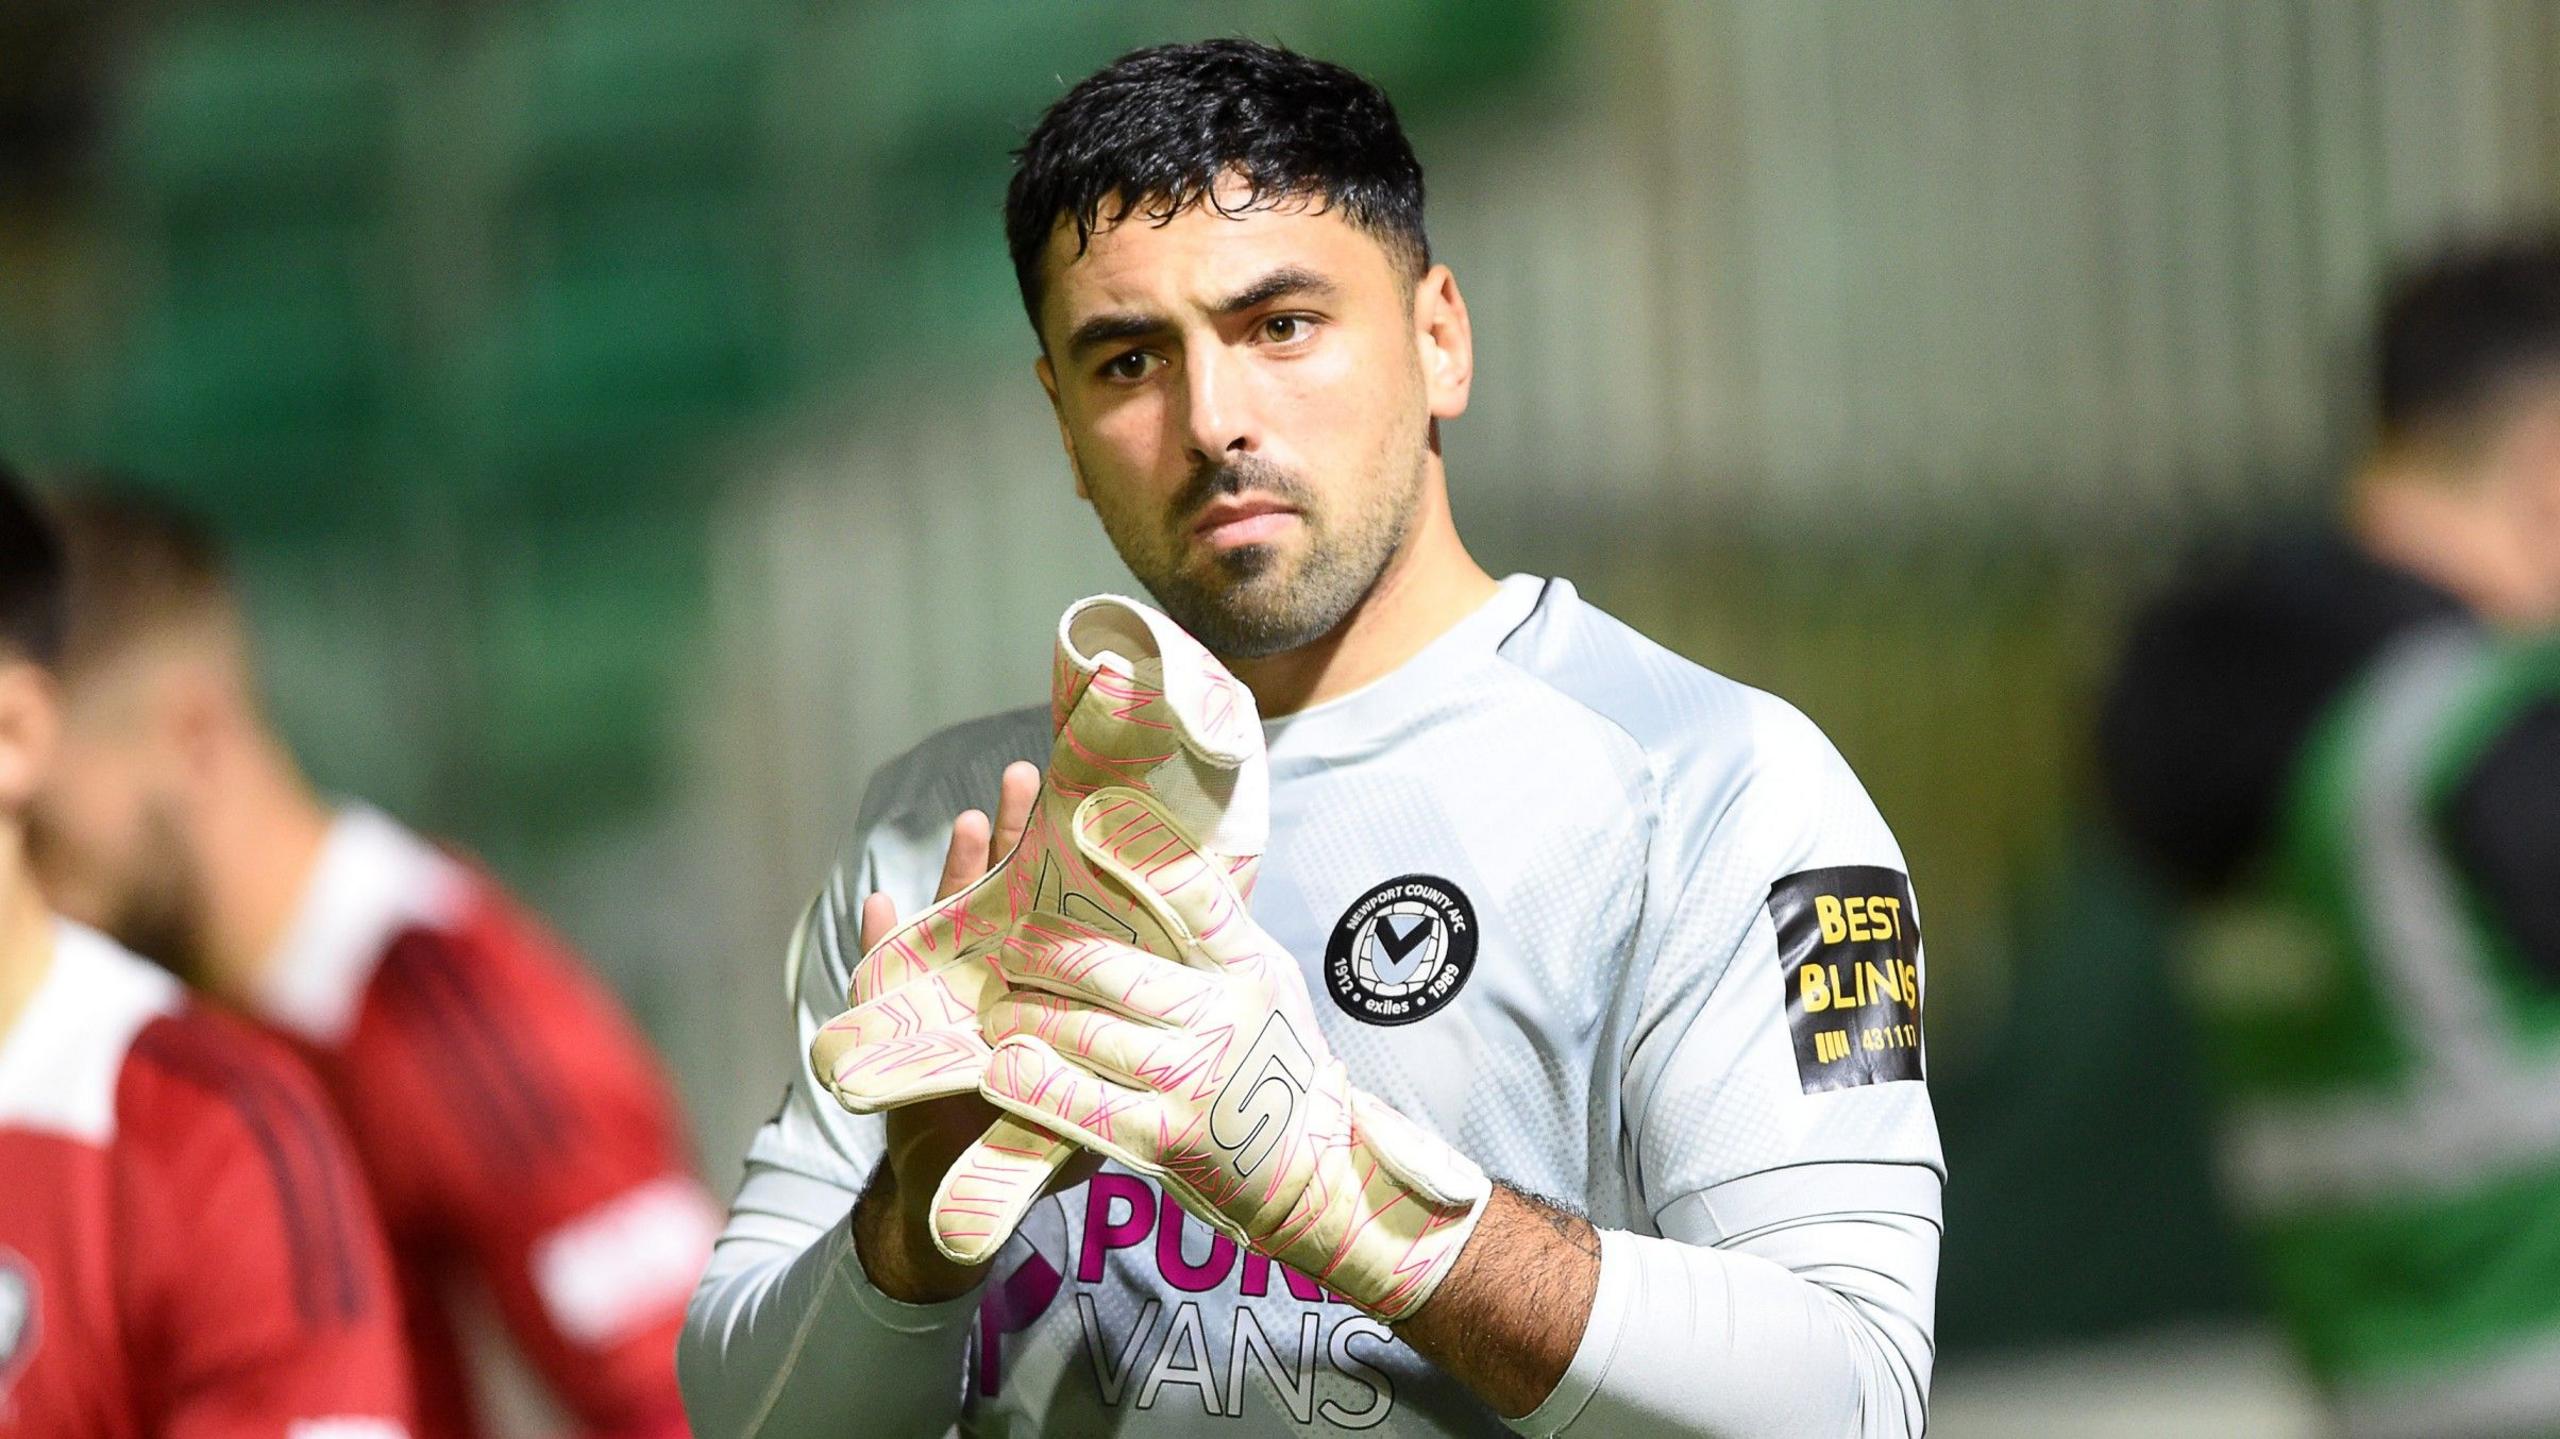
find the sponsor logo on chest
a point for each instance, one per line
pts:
(1193, 1343)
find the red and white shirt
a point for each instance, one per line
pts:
(517, 1132)
(186, 1249)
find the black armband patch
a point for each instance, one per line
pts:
(1849, 956)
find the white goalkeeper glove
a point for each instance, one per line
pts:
(1135, 704)
(1208, 1072)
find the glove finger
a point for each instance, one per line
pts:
(996, 1180)
(917, 1042)
(1134, 840)
(938, 938)
(1059, 956)
(1025, 1077)
(936, 1001)
(1134, 1052)
(904, 1071)
(1202, 702)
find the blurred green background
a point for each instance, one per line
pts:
(623, 415)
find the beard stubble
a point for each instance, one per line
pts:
(1247, 602)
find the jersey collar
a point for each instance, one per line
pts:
(58, 1064)
(1375, 714)
(374, 879)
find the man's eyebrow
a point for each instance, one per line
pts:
(1112, 328)
(1287, 280)
(1119, 326)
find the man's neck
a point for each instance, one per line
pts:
(2448, 531)
(26, 931)
(1430, 585)
(261, 853)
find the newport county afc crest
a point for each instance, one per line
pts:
(1402, 950)
(17, 1320)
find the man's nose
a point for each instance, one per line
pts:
(1219, 408)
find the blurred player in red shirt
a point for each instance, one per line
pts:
(517, 1132)
(185, 1246)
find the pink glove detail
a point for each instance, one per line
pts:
(1207, 1071)
(1137, 706)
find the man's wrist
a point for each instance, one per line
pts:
(1510, 1316)
(893, 1242)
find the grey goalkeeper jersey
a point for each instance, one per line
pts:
(1629, 934)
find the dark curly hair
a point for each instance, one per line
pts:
(1154, 131)
(31, 603)
(2460, 330)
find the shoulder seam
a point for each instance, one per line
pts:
(487, 1063)
(320, 1247)
(1578, 702)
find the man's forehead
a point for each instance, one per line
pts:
(116, 676)
(1200, 254)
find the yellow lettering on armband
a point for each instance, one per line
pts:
(1814, 986)
(1826, 911)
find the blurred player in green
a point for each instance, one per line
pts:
(2346, 752)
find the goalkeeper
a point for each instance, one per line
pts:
(1565, 1070)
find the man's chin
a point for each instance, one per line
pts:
(1247, 620)
(1257, 586)
(163, 938)
(1245, 565)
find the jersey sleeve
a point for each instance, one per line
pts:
(1781, 1018)
(1783, 1147)
(897, 849)
(810, 1135)
(252, 1263)
(537, 1140)
(786, 1335)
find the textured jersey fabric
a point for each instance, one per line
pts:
(1537, 879)
(513, 1124)
(185, 1247)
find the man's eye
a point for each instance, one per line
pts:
(1281, 329)
(1131, 366)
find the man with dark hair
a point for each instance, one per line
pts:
(512, 1124)
(184, 1245)
(2345, 752)
(30, 580)
(1592, 920)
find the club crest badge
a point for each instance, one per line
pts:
(17, 1317)
(1402, 951)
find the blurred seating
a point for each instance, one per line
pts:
(471, 289)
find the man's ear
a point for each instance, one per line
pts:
(30, 724)
(1048, 374)
(1445, 341)
(2524, 476)
(2532, 451)
(197, 715)
(2532, 469)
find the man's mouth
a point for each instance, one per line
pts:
(1243, 520)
